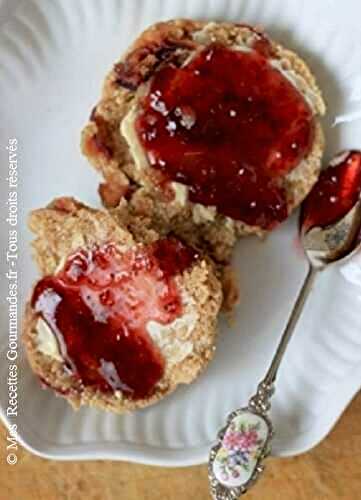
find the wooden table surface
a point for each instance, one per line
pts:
(331, 471)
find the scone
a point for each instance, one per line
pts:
(214, 126)
(119, 319)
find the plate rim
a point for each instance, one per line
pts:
(159, 456)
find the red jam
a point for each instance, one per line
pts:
(99, 305)
(335, 194)
(230, 127)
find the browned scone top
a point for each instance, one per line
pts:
(105, 145)
(102, 142)
(66, 226)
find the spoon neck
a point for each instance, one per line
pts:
(261, 400)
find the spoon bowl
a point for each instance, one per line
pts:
(330, 223)
(335, 243)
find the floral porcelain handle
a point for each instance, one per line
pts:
(236, 459)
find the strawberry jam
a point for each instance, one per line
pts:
(335, 194)
(99, 305)
(229, 126)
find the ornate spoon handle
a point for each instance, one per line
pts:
(236, 459)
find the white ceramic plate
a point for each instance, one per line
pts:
(53, 56)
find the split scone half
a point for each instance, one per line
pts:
(214, 127)
(118, 319)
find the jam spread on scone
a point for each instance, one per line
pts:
(229, 126)
(98, 307)
(335, 194)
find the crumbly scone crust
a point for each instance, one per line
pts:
(108, 151)
(64, 226)
(142, 213)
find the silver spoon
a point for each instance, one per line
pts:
(236, 460)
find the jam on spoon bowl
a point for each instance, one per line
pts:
(330, 232)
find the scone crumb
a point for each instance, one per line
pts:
(230, 289)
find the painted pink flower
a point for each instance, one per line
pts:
(231, 440)
(248, 440)
(240, 440)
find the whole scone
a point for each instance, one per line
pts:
(213, 125)
(119, 319)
